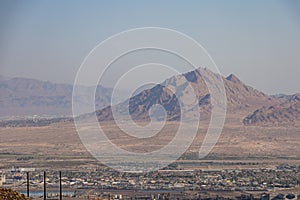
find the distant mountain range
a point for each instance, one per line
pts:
(245, 105)
(28, 97)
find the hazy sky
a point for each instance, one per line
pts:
(259, 41)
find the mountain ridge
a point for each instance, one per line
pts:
(245, 105)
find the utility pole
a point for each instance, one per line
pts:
(60, 186)
(45, 192)
(27, 173)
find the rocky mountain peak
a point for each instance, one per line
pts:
(233, 78)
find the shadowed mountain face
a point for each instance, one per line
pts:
(140, 105)
(27, 97)
(286, 113)
(241, 99)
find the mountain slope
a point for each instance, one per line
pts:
(286, 113)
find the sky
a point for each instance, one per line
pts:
(258, 41)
